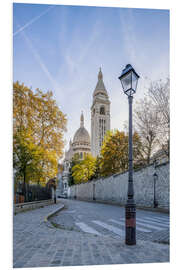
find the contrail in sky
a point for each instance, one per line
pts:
(38, 58)
(32, 21)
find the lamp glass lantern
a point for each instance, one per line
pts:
(155, 177)
(129, 79)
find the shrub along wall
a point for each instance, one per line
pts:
(114, 188)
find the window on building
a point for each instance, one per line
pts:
(102, 110)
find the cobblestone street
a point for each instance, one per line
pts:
(108, 220)
(38, 244)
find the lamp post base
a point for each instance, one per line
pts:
(130, 209)
(155, 204)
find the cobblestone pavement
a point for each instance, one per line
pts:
(36, 244)
(109, 220)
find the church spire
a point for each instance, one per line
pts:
(100, 85)
(100, 75)
(82, 120)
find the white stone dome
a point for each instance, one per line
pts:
(81, 135)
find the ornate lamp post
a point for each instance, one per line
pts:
(129, 79)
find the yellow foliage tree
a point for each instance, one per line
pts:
(83, 171)
(114, 152)
(38, 127)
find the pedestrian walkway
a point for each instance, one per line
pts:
(146, 227)
(38, 245)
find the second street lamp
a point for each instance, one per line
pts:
(129, 79)
(155, 176)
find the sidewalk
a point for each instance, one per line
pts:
(36, 244)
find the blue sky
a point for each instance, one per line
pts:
(61, 48)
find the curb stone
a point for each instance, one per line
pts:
(46, 219)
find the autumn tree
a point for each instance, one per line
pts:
(50, 123)
(27, 157)
(114, 152)
(159, 92)
(75, 160)
(97, 172)
(146, 121)
(38, 127)
(83, 171)
(152, 119)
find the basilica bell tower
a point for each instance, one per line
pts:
(100, 115)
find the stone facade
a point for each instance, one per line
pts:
(100, 116)
(81, 143)
(80, 147)
(63, 177)
(114, 188)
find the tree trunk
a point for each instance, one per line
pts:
(24, 184)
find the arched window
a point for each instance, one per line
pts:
(81, 155)
(102, 110)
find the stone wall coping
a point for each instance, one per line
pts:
(31, 203)
(21, 207)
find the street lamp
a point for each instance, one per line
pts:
(129, 79)
(155, 176)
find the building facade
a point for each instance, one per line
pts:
(82, 144)
(100, 116)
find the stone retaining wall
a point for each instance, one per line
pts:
(21, 207)
(114, 188)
